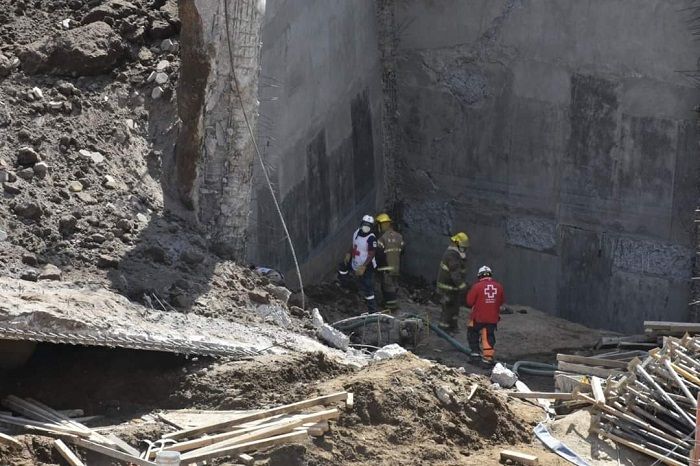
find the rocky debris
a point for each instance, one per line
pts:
(29, 210)
(41, 169)
(445, 394)
(27, 156)
(3, 235)
(30, 259)
(105, 261)
(258, 297)
(67, 224)
(109, 182)
(112, 9)
(90, 156)
(26, 173)
(279, 292)
(275, 314)
(157, 92)
(503, 376)
(389, 351)
(50, 272)
(87, 50)
(161, 78)
(75, 186)
(168, 45)
(7, 65)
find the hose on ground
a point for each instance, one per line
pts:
(534, 368)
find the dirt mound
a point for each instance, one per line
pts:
(423, 410)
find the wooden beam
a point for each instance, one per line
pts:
(656, 326)
(122, 445)
(48, 427)
(610, 363)
(520, 458)
(637, 447)
(246, 460)
(290, 423)
(597, 387)
(247, 447)
(290, 408)
(543, 395)
(586, 370)
(7, 440)
(67, 454)
(116, 454)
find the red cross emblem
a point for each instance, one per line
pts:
(355, 251)
(490, 291)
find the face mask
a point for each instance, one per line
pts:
(365, 229)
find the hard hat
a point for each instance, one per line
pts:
(368, 219)
(382, 218)
(484, 271)
(461, 239)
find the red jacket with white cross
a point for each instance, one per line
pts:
(485, 298)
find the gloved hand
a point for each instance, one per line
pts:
(347, 258)
(360, 271)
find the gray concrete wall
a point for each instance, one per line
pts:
(319, 129)
(560, 136)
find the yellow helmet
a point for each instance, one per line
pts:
(383, 218)
(461, 239)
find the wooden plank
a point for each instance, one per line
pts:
(247, 447)
(7, 440)
(520, 458)
(657, 326)
(350, 400)
(246, 460)
(290, 408)
(68, 454)
(543, 395)
(116, 454)
(609, 363)
(637, 447)
(586, 370)
(295, 421)
(597, 387)
(122, 445)
(49, 427)
(282, 428)
(94, 436)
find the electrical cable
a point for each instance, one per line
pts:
(257, 151)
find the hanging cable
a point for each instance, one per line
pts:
(260, 159)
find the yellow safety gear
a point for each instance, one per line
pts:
(382, 218)
(461, 239)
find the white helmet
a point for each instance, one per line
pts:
(368, 219)
(484, 271)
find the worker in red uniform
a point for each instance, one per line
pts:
(485, 298)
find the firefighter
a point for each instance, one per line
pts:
(389, 254)
(361, 260)
(451, 280)
(485, 298)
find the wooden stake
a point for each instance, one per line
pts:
(7, 440)
(116, 454)
(67, 454)
(637, 447)
(246, 447)
(521, 458)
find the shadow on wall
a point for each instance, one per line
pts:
(317, 209)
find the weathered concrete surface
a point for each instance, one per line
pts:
(559, 135)
(320, 130)
(215, 152)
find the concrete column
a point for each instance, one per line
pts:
(215, 152)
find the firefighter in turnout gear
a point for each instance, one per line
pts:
(389, 259)
(485, 298)
(361, 260)
(451, 280)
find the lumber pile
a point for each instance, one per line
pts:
(653, 407)
(247, 431)
(34, 417)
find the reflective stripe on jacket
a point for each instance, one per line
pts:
(452, 274)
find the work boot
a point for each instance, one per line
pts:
(488, 362)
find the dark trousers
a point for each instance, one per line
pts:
(449, 300)
(482, 339)
(367, 287)
(389, 286)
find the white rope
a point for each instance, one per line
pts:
(257, 151)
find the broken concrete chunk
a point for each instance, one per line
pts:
(276, 314)
(157, 92)
(161, 78)
(75, 186)
(279, 292)
(111, 9)
(109, 182)
(503, 376)
(389, 351)
(50, 272)
(316, 318)
(334, 337)
(94, 157)
(444, 394)
(87, 50)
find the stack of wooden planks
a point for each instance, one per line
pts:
(662, 328)
(35, 417)
(653, 407)
(248, 431)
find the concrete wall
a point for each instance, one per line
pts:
(319, 129)
(559, 135)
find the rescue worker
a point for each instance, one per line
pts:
(485, 298)
(451, 280)
(361, 259)
(389, 260)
